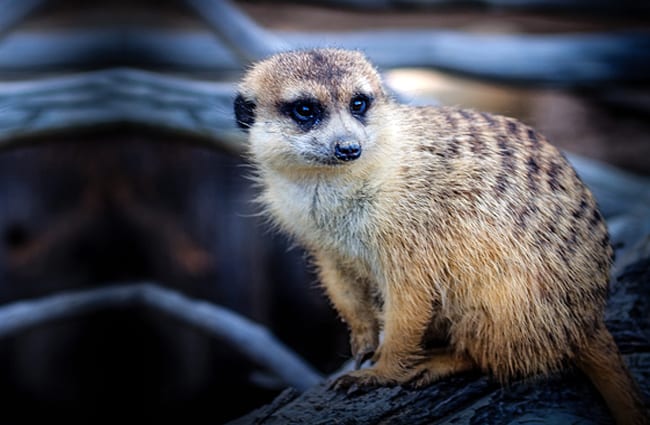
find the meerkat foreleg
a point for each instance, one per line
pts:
(407, 314)
(352, 298)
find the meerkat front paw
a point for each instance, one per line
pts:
(422, 376)
(370, 377)
(384, 373)
(437, 367)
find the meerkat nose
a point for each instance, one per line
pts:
(347, 151)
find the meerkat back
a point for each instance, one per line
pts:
(439, 223)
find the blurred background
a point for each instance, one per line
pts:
(120, 163)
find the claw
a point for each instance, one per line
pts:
(350, 385)
(344, 382)
(419, 380)
(362, 381)
(362, 356)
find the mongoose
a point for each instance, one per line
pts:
(433, 224)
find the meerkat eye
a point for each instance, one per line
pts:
(303, 111)
(359, 104)
(306, 112)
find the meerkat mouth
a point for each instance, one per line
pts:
(328, 161)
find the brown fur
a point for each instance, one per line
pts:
(452, 225)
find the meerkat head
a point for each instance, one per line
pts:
(313, 108)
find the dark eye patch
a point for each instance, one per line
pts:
(244, 112)
(306, 113)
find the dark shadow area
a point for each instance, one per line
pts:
(98, 209)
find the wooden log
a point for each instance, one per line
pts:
(241, 33)
(567, 60)
(199, 109)
(629, 7)
(252, 340)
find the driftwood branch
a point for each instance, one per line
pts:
(251, 339)
(241, 33)
(567, 60)
(119, 96)
(75, 49)
(584, 6)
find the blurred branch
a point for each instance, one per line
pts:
(564, 60)
(567, 60)
(85, 48)
(119, 96)
(12, 12)
(250, 338)
(629, 7)
(241, 33)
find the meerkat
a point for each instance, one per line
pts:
(465, 236)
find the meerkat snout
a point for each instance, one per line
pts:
(347, 150)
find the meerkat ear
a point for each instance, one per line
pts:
(244, 112)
